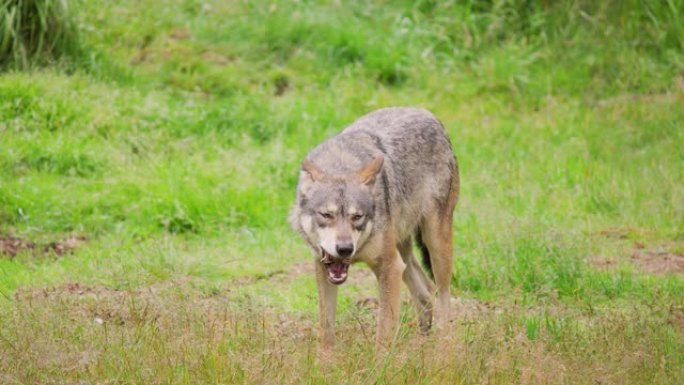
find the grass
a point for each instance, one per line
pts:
(173, 147)
(36, 32)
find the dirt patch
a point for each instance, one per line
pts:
(676, 319)
(64, 246)
(616, 233)
(603, 263)
(77, 289)
(180, 34)
(653, 262)
(659, 262)
(626, 233)
(299, 269)
(100, 304)
(12, 246)
(214, 57)
(94, 303)
(67, 289)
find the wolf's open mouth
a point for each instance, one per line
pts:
(337, 269)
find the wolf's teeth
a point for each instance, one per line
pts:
(325, 257)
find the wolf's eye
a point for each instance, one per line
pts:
(357, 217)
(327, 216)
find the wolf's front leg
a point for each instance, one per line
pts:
(327, 305)
(389, 273)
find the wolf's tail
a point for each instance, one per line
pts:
(425, 253)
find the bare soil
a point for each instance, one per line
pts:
(659, 262)
(652, 262)
(11, 246)
(616, 233)
(603, 263)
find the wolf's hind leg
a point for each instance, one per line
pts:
(419, 285)
(436, 230)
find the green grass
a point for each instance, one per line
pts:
(173, 145)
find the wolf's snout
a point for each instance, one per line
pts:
(345, 249)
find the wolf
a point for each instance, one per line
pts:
(363, 195)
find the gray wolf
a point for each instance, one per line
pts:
(363, 195)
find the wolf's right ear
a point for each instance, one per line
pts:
(316, 173)
(310, 174)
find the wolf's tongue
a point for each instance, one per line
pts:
(337, 272)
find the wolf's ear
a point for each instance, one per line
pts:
(309, 175)
(368, 172)
(316, 173)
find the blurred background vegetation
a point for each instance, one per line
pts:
(136, 119)
(127, 79)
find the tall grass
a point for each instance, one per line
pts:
(36, 32)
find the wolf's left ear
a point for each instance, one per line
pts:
(368, 172)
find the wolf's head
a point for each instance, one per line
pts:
(336, 213)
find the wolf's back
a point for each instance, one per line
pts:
(418, 153)
(411, 140)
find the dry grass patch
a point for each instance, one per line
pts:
(173, 333)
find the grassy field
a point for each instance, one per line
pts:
(145, 182)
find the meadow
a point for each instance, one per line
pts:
(146, 176)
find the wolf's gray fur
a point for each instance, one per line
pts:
(362, 196)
